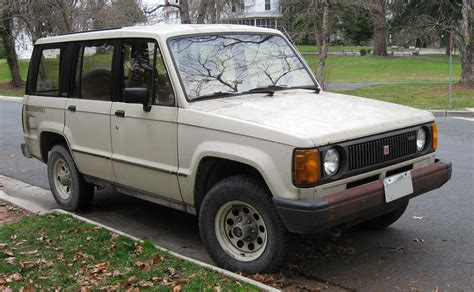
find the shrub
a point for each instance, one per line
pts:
(363, 52)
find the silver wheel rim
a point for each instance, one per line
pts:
(241, 231)
(62, 179)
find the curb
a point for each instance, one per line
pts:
(453, 113)
(11, 98)
(22, 204)
(202, 264)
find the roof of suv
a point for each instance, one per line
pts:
(158, 30)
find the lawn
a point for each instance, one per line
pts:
(431, 68)
(312, 48)
(424, 95)
(58, 251)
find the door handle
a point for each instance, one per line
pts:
(120, 113)
(71, 108)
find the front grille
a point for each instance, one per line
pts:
(372, 152)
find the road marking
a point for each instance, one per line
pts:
(467, 119)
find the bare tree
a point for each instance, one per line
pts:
(9, 46)
(467, 44)
(452, 17)
(184, 12)
(326, 33)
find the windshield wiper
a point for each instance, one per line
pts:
(309, 87)
(270, 89)
(216, 94)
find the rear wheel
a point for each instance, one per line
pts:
(386, 220)
(240, 227)
(67, 184)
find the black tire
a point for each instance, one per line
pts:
(384, 221)
(254, 194)
(81, 192)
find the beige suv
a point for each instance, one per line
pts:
(227, 123)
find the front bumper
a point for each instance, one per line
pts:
(357, 204)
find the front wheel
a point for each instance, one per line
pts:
(67, 184)
(240, 227)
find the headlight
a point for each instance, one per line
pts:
(331, 162)
(421, 139)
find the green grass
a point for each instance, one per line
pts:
(53, 251)
(5, 71)
(383, 69)
(340, 48)
(424, 95)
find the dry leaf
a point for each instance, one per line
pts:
(156, 259)
(144, 283)
(17, 277)
(138, 249)
(26, 264)
(10, 260)
(8, 253)
(129, 281)
(142, 266)
(177, 288)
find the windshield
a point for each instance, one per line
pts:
(236, 63)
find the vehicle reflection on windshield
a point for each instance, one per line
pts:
(210, 64)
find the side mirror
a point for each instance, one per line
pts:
(137, 95)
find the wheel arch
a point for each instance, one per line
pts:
(48, 140)
(212, 169)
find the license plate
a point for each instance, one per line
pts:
(397, 186)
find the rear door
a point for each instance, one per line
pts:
(145, 142)
(47, 89)
(87, 124)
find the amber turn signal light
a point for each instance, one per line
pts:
(306, 167)
(434, 136)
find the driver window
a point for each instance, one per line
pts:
(141, 69)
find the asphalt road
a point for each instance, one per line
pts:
(430, 247)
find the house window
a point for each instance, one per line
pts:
(267, 4)
(233, 7)
(242, 5)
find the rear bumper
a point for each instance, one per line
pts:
(356, 204)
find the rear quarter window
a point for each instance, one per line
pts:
(48, 72)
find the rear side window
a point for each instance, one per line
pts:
(93, 76)
(48, 74)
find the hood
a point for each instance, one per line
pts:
(325, 117)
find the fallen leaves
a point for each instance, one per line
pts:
(274, 280)
(138, 249)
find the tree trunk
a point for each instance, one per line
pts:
(184, 12)
(326, 33)
(378, 16)
(318, 37)
(9, 46)
(202, 11)
(213, 11)
(448, 45)
(467, 45)
(219, 9)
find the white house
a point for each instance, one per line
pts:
(261, 13)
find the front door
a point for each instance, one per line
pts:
(87, 124)
(145, 142)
